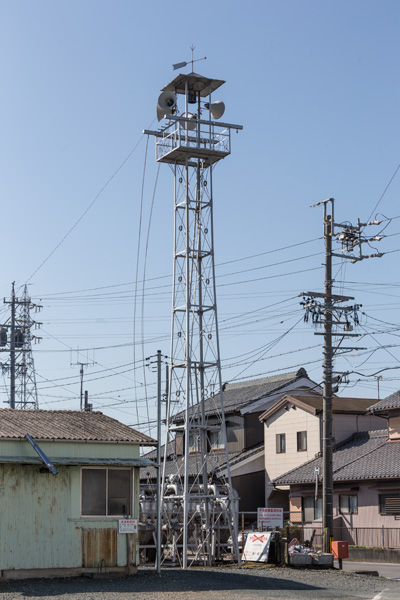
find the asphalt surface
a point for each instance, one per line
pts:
(388, 570)
(224, 583)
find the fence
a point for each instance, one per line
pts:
(374, 537)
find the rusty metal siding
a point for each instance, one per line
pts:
(41, 526)
(34, 528)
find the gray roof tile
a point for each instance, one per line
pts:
(237, 395)
(392, 401)
(67, 425)
(366, 455)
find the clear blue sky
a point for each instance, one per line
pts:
(316, 86)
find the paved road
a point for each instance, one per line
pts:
(389, 570)
(253, 583)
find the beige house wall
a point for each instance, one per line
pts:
(290, 422)
(394, 428)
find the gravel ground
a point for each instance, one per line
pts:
(225, 583)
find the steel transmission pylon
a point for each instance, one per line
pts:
(16, 339)
(198, 514)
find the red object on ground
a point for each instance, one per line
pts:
(340, 549)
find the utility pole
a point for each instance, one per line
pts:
(12, 348)
(16, 340)
(158, 498)
(338, 321)
(327, 442)
(82, 365)
(160, 399)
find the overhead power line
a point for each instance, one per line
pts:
(87, 209)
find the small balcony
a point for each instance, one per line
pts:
(208, 142)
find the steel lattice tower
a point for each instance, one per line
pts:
(16, 339)
(195, 509)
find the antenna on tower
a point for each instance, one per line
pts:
(184, 63)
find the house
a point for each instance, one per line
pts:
(366, 478)
(244, 402)
(293, 433)
(67, 480)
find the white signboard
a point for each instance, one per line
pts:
(269, 517)
(127, 526)
(257, 547)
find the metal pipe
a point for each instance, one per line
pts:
(158, 495)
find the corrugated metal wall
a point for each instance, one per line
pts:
(41, 526)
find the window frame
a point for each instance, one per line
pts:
(131, 492)
(301, 441)
(349, 507)
(194, 442)
(220, 442)
(316, 508)
(382, 503)
(280, 447)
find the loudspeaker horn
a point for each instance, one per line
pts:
(166, 104)
(188, 124)
(217, 109)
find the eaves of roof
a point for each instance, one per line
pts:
(285, 400)
(81, 461)
(367, 455)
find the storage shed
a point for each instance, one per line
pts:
(69, 484)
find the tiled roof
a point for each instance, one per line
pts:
(237, 395)
(236, 459)
(366, 455)
(392, 401)
(67, 425)
(176, 466)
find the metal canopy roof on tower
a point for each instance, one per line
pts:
(199, 84)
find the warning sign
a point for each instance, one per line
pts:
(127, 526)
(257, 547)
(270, 517)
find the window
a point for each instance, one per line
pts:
(312, 509)
(217, 439)
(280, 443)
(194, 442)
(388, 502)
(106, 492)
(348, 505)
(301, 441)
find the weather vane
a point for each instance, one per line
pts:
(184, 63)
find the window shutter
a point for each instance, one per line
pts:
(392, 506)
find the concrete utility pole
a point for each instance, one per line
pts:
(82, 365)
(338, 321)
(12, 347)
(158, 498)
(327, 497)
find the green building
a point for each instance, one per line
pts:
(69, 491)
